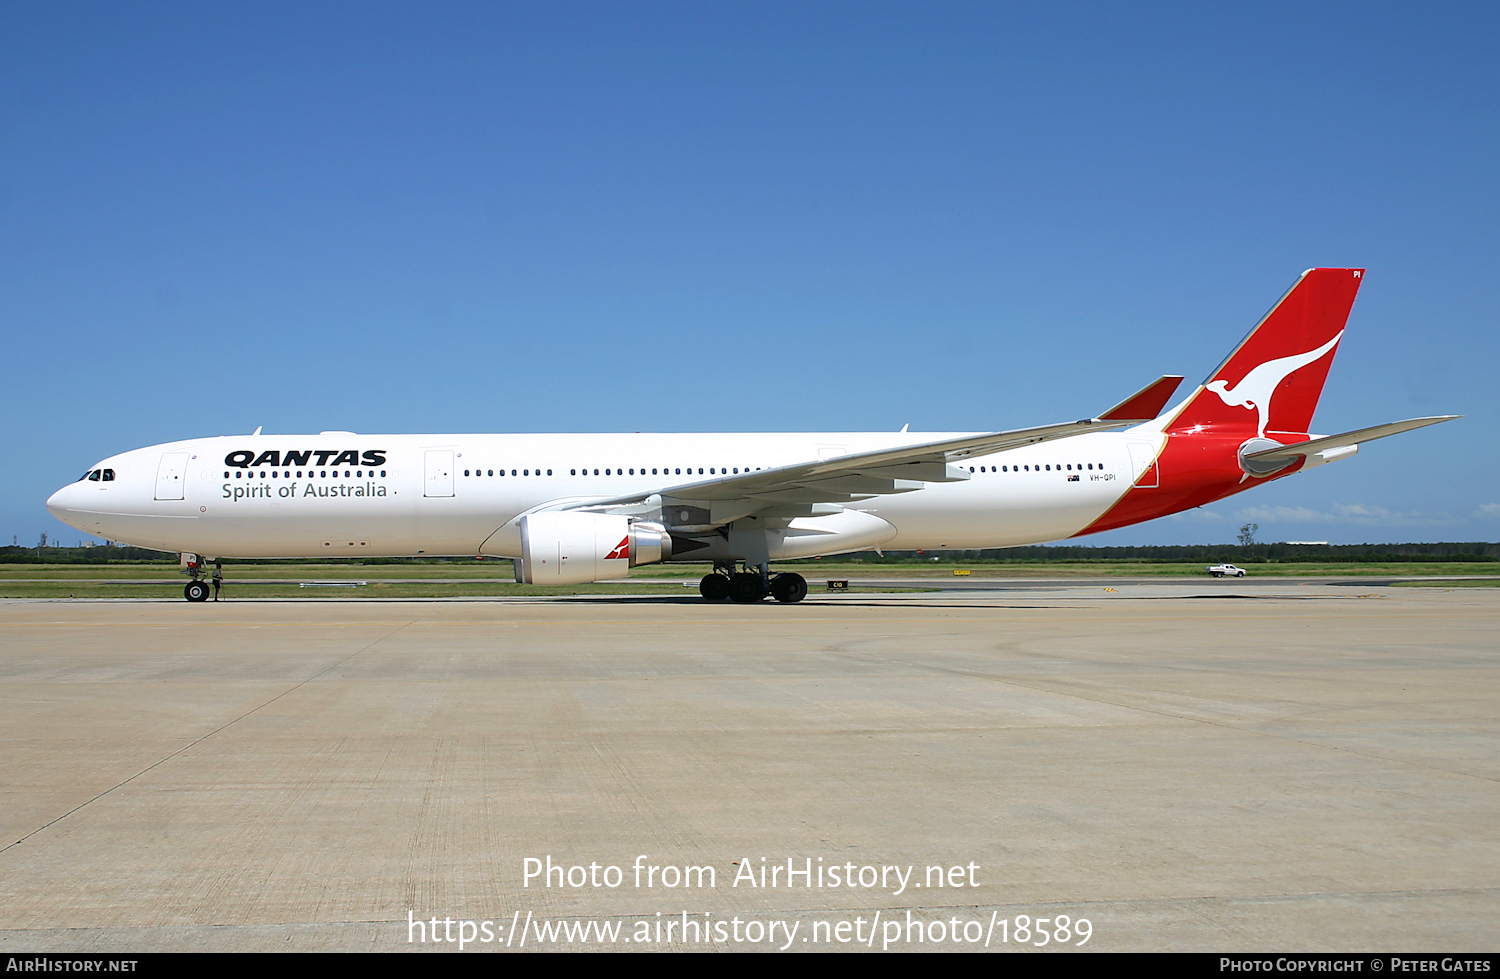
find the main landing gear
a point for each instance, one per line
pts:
(752, 585)
(195, 591)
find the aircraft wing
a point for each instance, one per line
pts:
(900, 469)
(1290, 453)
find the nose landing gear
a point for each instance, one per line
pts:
(196, 590)
(752, 585)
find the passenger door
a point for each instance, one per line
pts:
(171, 475)
(439, 481)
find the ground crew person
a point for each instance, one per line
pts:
(218, 578)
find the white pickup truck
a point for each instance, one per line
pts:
(1220, 570)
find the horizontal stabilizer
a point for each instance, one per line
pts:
(1146, 403)
(1290, 453)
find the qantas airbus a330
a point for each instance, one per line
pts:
(579, 508)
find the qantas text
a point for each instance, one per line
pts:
(245, 459)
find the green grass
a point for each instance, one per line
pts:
(496, 579)
(162, 582)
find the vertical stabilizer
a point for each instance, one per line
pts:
(1272, 380)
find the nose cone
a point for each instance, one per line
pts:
(64, 505)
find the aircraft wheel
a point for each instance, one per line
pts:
(746, 588)
(195, 591)
(789, 588)
(714, 587)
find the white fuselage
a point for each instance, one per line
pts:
(407, 495)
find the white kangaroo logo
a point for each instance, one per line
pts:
(1255, 388)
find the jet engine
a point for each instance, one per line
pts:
(569, 548)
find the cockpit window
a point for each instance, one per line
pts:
(109, 475)
(94, 475)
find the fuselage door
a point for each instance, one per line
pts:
(171, 475)
(1143, 468)
(439, 473)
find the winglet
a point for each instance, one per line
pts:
(1146, 403)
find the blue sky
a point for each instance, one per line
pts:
(748, 217)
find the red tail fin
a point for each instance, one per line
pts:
(1272, 380)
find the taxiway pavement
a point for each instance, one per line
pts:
(1194, 765)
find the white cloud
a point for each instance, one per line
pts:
(1491, 510)
(1358, 514)
(1284, 514)
(1198, 515)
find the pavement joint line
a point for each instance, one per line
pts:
(162, 761)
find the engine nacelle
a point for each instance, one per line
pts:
(568, 548)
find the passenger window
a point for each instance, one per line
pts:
(549, 472)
